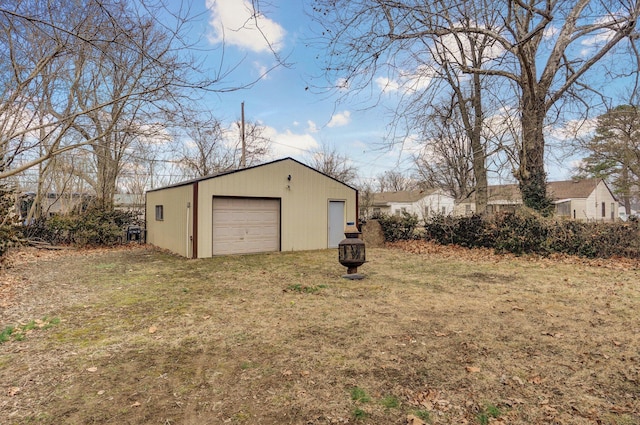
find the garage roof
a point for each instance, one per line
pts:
(225, 173)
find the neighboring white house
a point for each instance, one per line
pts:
(423, 203)
(582, 200)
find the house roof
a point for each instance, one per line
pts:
(510, 192)
(559, 190)
(405, 196)
(571, 189)
(225, 173)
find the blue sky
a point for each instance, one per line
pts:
(297, 120)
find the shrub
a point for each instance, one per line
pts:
(9, 237)
(397, 228)
(520, 232)
(601, 240)
(93, 228)
(527, 232)
(472, 231)
(9, 232)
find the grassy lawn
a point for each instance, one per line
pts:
(436, 335)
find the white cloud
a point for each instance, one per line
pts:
(387, 85)
(458, 48)
(235, 22)
(312, 127)
(262, 70)
(573, 129)
(598, 38)
(290, 144)
(340, 119)
(550, 32)
(418, 79)
(342, 84)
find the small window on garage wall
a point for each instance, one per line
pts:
(159, 212)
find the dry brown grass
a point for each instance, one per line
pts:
(444, 334)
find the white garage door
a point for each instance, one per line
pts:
(245, 225)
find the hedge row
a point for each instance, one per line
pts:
(521, 232)
(94, 227)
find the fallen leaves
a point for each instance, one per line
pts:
(414, 420)
(421, 246)
(537, 380)
(430, 399)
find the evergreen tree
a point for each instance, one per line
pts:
(614, 152)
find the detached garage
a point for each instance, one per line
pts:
(282, 205)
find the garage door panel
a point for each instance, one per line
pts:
(245, 225)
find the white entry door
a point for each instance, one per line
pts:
(336, 223)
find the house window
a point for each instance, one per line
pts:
(159, 212)
(604, 210)
(563, 209)
(444, 210)
(613, 209)
(467, 209)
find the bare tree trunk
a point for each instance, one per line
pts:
(107, 169)
(531, 174)
(478, 149)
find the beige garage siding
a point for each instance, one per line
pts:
(174, 230)
(245, 225)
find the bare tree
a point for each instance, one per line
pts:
(446, 160)
(257, 144)
(365, 199)
(93, 73)
(202, 152)
(395, 181)
(329, 161)
(539, 45)
(211, 149)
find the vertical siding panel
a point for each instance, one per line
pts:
(171, 233)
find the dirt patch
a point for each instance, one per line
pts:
(435, 334)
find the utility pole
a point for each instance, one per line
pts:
(243, 157)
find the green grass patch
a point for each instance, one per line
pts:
(490, 411)
(424, 415)
(359, 414)
(6, 333)
(19, 333)
(360, 395)
(390, 402)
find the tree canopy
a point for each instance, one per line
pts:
(540, 55)
(614, 152)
